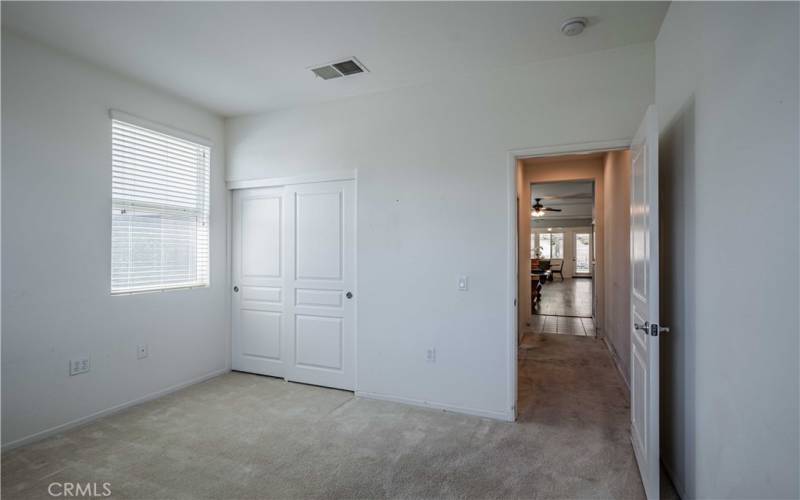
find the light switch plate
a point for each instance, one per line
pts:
(141, 351)
(78, 366)
(463, 283)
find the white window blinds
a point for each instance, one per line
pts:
(160, 209)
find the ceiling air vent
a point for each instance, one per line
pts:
(337, 69)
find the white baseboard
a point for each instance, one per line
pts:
(37, 436)
(496, 415)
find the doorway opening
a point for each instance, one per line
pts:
(571, 381)
(562, 257)
(573, 226)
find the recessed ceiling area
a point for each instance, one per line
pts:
(574, 199)
(247, 57)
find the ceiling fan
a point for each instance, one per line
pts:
(539, 210)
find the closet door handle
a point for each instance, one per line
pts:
(236, 289)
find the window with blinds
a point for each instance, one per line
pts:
(160, 208)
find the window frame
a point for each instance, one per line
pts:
(538, 243)
(121, 116)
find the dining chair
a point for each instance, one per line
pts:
(557, 267)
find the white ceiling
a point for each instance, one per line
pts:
(247, 57)
(574, 198)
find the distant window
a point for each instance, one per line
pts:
(551, 245)
(160, 209)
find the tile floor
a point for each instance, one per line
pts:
(570, 297)
(561, 325)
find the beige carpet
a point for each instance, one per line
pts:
(245, 436)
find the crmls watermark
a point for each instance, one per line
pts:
(67, 489)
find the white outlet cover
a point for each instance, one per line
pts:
(463, 283)
(431, 356)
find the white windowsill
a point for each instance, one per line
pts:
(138, 291)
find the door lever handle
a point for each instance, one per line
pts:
(652, 329)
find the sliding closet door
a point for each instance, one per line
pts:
(320, 294)
(258, 300)
(294, 277)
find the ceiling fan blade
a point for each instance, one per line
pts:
(551, 209)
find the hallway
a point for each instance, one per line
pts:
(570, 297)
(569, 385)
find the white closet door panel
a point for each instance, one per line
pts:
(258, 298)
(318, 230)
(294, 277)
(322, 226)
(261, 237)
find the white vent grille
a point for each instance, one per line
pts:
(338, 69)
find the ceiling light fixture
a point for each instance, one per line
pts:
(538, 210)
(573, 26)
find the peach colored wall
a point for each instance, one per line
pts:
(616, 217)
(523, 249)
(523, 217)
(553, 169)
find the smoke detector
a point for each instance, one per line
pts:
(338, 69)
(573, 26)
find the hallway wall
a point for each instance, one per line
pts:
(727, 94)
(616, 215)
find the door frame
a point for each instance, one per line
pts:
(591, 272)
(311, 178)
(512, 270)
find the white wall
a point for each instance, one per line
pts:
(727, 92)
(56, 237)
(433, 203)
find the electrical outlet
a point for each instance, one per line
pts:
(141, 351)
(78, 366)
(430, 356)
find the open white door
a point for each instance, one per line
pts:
(645, 328)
